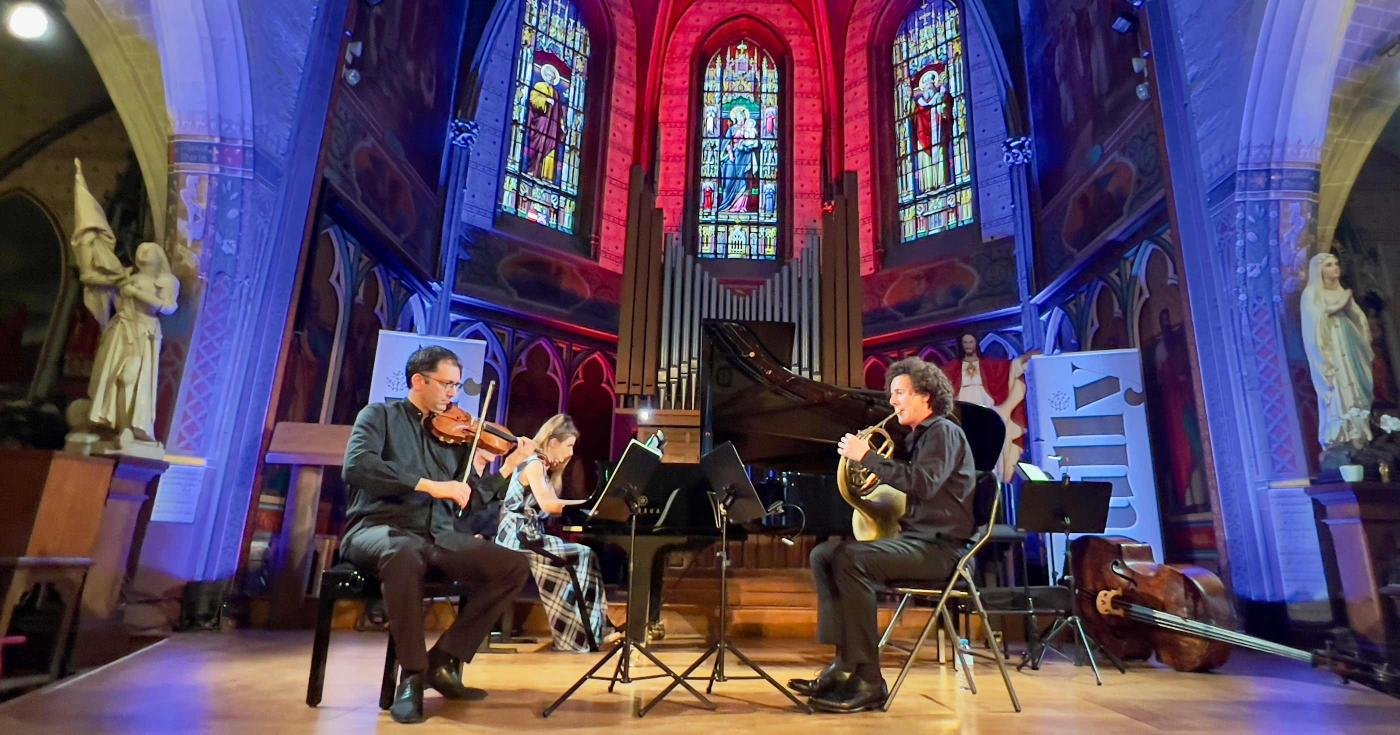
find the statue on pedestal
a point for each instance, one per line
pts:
(128, 303)
(1337, 339)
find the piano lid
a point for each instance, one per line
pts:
(776, 418)
(780, 420)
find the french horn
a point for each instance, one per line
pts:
(877, 507)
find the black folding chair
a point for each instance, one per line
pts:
(962, 587)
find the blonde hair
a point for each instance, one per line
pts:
(559, 427)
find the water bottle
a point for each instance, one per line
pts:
(967, 659)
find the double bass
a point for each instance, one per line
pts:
(1181, 612)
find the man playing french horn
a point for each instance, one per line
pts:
(935, 472)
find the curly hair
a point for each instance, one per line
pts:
(926, 379)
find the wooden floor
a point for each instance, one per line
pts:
(255, 682)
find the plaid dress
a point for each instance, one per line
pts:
(521, 516)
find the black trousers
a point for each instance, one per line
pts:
(847, 574)
(491, 575)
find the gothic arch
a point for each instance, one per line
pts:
(1059, 328)
(1351, 134)
(875, 369)
(130, 67)
(532, 380)
(868, 34)
(495, 363)
(491, 88)
(804, 92)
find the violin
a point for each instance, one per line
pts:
(456, 427)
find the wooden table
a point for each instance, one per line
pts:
(1362, 531)
(309, 449)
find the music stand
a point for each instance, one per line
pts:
(1065, 507)
(734, 500)
(622, 499)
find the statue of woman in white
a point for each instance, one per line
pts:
(1337, 339)
(123, 386)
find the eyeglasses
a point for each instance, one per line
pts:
(448, 385)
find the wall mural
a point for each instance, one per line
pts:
(388, 130)
(549, 283)
(940, 289)
(1096, 157)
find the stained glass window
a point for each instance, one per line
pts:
(738, 191)
(932, 163)
(546, 121)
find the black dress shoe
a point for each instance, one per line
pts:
(829, 678)
(408, 702)
(449, 684)
(855, 695)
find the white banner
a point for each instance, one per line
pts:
(1089, 414)
(390, 383)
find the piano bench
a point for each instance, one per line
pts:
(345, 581)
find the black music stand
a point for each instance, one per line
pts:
(734, 500)
(622, 499)
(1065, 507)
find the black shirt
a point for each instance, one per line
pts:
(936, 473)
(390, 449)
(483, 514)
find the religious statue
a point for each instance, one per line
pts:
(997, 384)
(1337, 340)
(94, 250)
(738, 160)
(128, 303)
(123, 384)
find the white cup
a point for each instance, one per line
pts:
(1352, 472)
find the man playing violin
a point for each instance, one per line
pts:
(405, 490)
(936, 473)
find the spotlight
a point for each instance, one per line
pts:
(351, 76)
(1144, 92)
(1139, 65)
(1125, 22)
(27, 21)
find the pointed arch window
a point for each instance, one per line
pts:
(739, 189)
(541, 183)
(933, 166)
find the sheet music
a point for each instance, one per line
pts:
(1033, 473)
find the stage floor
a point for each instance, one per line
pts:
(255, 682)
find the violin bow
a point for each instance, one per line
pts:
(476, 440)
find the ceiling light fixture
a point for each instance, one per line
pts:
(27, 21)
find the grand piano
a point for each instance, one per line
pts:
(784, 426)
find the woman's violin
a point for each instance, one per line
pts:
(457, 427)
